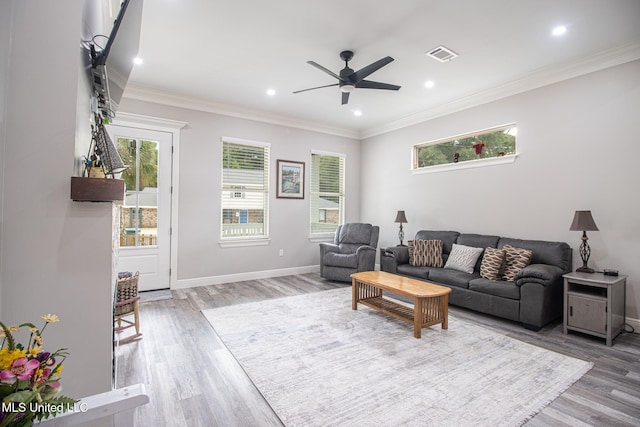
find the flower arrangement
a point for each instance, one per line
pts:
(30, 377)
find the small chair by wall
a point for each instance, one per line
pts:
(127, 304)
(353, 250)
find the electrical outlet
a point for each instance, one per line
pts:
(281, 252)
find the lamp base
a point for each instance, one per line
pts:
(585, 270)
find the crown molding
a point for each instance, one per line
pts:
(144, 93)
(534, 80)
(134, 120)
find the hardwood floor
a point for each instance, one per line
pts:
(193, 380)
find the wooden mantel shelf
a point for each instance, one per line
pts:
(85, 189)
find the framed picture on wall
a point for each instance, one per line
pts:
(290, 180)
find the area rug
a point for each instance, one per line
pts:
(320, 363)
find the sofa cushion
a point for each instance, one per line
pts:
(450, 277)
(497, 288)
(552, 253)
(418, 272)
(341, 260)
(492, 263)
(478, 240)
(425, 253)
(515, 260)
(463, 258)
(448, 238)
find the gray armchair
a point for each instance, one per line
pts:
(353, 249)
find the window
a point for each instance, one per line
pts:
(139, 213)
(327, 192)
(245, 189)
(488, 146)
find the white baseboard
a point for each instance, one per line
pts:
(240, 277)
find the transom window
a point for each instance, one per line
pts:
(245, 189)
(494, 143)
(327, 192)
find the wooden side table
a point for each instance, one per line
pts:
(594, 304)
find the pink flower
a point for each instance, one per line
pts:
(22, 368)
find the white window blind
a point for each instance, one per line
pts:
(245, 189)
(327, 192)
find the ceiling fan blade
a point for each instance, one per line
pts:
(369, 69)
(345, 97)
(321, 68)
(368, 84)
(319, 87)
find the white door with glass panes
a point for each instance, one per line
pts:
(145, 215)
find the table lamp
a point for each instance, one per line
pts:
(583, 221)
(402, 219)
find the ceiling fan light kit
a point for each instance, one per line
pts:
(347, 88)
(349, 80)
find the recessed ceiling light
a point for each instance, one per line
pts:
(357, 113)
(559, 30)
(429, 84)
(271, 92)
(138, 61)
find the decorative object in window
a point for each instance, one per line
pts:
(475, 148)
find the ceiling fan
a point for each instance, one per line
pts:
(349, 79)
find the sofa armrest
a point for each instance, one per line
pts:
(366, 258)
(391, 257)
(541, 299)
(400, 253)
(325, 248)
(543, 274)
(328, 247)
(365, 248)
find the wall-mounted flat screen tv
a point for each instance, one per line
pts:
(111, 66)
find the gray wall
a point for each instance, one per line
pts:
(578, 151)
(56, 256)
(201, 260)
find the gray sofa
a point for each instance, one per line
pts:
(533, 299)
(353, 250)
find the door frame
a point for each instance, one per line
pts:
(173, 127)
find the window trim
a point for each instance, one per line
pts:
(466, 164)
(241, 241)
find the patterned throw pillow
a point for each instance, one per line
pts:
(425, 253)
(516, 259)
(492, 263)
(463, 258)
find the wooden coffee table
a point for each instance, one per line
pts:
(430, 301)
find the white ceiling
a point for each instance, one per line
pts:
(225, 54)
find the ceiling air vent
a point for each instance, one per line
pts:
(442, 54)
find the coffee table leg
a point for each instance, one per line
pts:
(445, 311)
(354, 294)
(417, 317)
